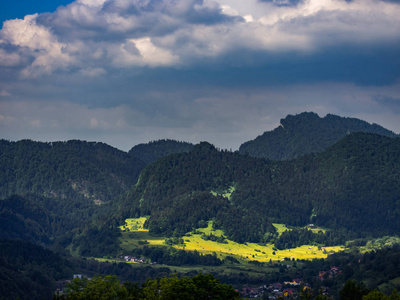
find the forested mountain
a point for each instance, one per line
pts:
(304, 134)
(156, 149)
(353, 186)
(65, 190)
(72, 169)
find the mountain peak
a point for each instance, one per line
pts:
(306, 133)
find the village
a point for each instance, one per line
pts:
(278, 290)
(289, 289)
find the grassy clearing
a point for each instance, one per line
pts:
(243, 252)
(134, 224)
(226, 194)
(282, 228)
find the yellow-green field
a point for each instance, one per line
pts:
(134, 224)
(249, 251)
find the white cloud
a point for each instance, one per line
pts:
(175, 32)
(142, 52)
(44, 46)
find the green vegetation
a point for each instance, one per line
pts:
(154, 150)
(28, 271)
(226, 194)
(351, 188)
(168, 288)
(73, 170)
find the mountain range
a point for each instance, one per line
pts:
(345, 177)
(341, 174)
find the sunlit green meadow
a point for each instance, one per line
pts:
(135, 236)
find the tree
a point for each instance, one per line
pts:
(353, 291)
(107, 288)
(198, 287)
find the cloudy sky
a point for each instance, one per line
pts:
(130, 71)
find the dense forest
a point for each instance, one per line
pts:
(62, 192)
(154, 150)
(352, 187)
(66, 170)
(306, 133)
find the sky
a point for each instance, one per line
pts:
(125, 72)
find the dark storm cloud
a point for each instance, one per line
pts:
(391, 103)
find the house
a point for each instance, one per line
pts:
(277, 286)
(287, 292)
(298, 281)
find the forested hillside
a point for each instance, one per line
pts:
(353, 187)
(62, 188)
(73, 169)
(306, 133)
(68, 192)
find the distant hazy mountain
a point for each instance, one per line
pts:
(154, 150)
(306, 133)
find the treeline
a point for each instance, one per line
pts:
(176, 257)
(154, 150)
(297, 237)
(197, 287)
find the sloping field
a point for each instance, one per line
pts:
(249, 251)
